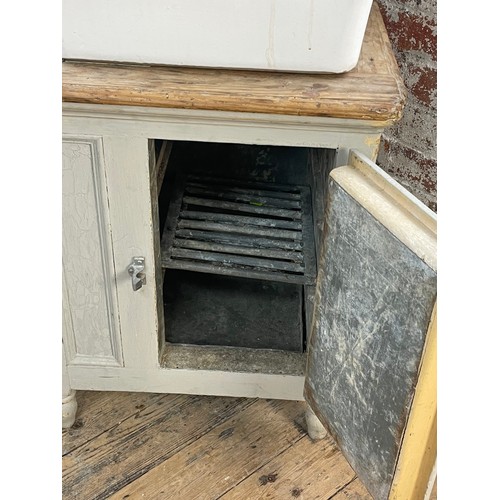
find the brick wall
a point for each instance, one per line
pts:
(408, 149)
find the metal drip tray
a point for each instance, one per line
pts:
(239, 228)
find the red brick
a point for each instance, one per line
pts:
(408, 149)
(417, 127)
(411, 32)
(423, 5)
(421, 82)
(412, 169)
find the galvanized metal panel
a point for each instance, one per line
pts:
(373, 305)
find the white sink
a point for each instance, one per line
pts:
(288, 35)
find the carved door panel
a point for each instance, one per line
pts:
(90, 314)
(109, 319)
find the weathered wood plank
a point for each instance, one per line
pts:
(272, 191)
(353, 491)
(98, 411)
(308, 470)
(243, 197)
(225, 259)
(140, 442)
(273, 188)
(261, 274)
(241, 250)
(241, 219)
(162, 163)
(223, 254)
(222, 458)
(242, 207)
(169, 229)
(248, 241)
(234, 359)
(315, 468)
(372, 91)
(155, 220)
(308, 237)
(320, 163)
(238, 229)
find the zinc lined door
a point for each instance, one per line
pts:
(374, 307)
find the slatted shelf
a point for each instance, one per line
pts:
(244, 229)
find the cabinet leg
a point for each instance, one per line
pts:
(315, 428)
(69, 406)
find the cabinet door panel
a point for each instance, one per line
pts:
(375, 297)
(133, 233)
(91, 328)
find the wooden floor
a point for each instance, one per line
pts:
(157, 446)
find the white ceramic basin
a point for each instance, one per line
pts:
(288, 35)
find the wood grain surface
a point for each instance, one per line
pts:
(159, 446)
(142, 440)
(372, 91)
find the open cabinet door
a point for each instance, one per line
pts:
(374, 305)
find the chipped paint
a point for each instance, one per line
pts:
(373, 142)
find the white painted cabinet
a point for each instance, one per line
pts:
(108, 160)
(91, 321)
(370, 356)
(377, 259)
(106, 222)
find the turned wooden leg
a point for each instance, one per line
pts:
(69, 404)
(69, 407)
(315, 428)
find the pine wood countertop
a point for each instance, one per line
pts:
(372, 91)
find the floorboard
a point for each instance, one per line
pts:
(305, 470)
(131, 447)
(179, 447)
(225, 456)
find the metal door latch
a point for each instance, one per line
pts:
(136, 271)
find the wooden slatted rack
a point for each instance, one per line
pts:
(239, 228)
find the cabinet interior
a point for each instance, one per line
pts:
(239, 230)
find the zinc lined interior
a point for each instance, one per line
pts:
(239, 228)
